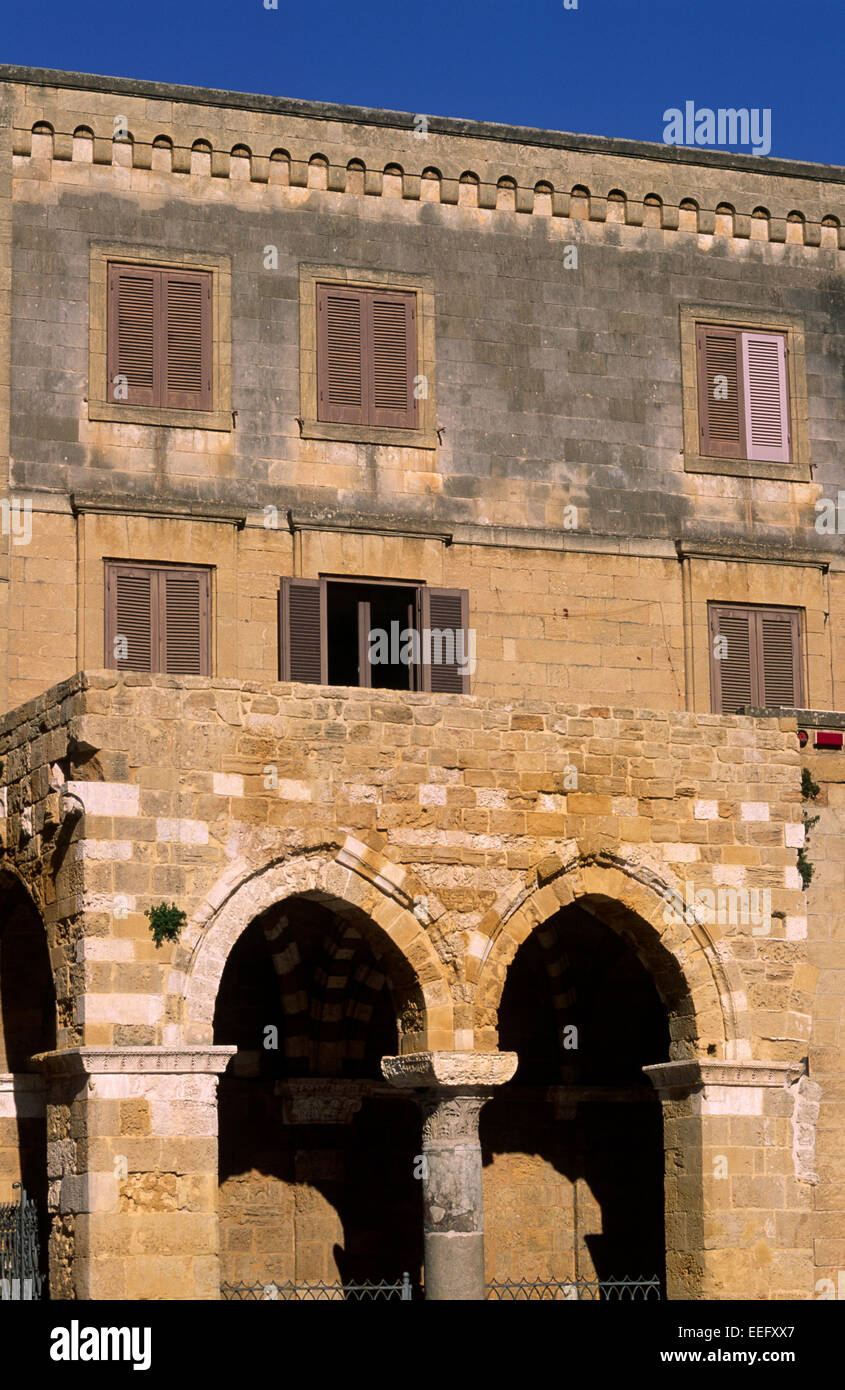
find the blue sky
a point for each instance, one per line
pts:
(609, 67)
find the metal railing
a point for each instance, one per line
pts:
(502, 1290)
(573, 1290)
(20, 1273)
(403, 1292)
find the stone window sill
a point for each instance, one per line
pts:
(747, 468)
(368, 434)
(155, 415)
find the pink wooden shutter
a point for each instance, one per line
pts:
(766, 397)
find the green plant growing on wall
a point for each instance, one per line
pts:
(166, 922)
(809, 791)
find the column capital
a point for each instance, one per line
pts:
(449, 1071)
(99, 1061)
(697, 1073)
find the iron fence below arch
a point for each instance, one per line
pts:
(574, 1290)
(20, 1266)
(496, 1290)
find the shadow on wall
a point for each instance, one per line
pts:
(573, 1146)
(316, 1177)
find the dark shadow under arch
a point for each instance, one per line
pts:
(573, 1146)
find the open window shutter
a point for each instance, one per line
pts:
(445, 634)
(341, 355)
(392, 340)
(184, 622)
(766, 396)
(779, 646)
(720, 402)
(732, 660)
(131, 618)
(133, 296)
(185, 339)
(303, 653)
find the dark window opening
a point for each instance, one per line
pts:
(380, 636)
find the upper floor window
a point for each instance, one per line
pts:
(158, 618)
(367, 356)
(744, 391)
(743, 394)
(755, 657)
(385, 636)
(159, 337)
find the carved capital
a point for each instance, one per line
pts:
(452, 1117)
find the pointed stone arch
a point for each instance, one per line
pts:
(692, 971)
(375, 901)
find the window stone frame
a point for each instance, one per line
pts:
(99, 407)
(310, 276)
(767, 321)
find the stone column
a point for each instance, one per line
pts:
(738, 1140)
(452, 1088)
(132, 1171)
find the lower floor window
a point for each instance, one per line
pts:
(158, 618)
(381, 635)
(755, 657)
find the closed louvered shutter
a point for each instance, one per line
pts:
(159, 338)
(186, 340)
(131, 618)
(732, 659)
(341, 355)
(445, 640)
(758, 662)
(721, 419)
(366, 357)
(780, 651)
(158, 619)
(393, 347)
(132, 315)
(303, 654)
(184, 608)
(766, 397)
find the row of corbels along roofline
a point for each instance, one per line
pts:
(774, 222)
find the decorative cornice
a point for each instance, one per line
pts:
(81, 502)
(437, 125)
(97, 1061)
(693, 1075)
(566, 180)
(731, 551)
(408, 528)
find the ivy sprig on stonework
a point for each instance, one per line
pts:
(166, 921)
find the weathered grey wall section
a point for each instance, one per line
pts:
(554, 384)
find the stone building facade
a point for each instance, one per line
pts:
(528, 972)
